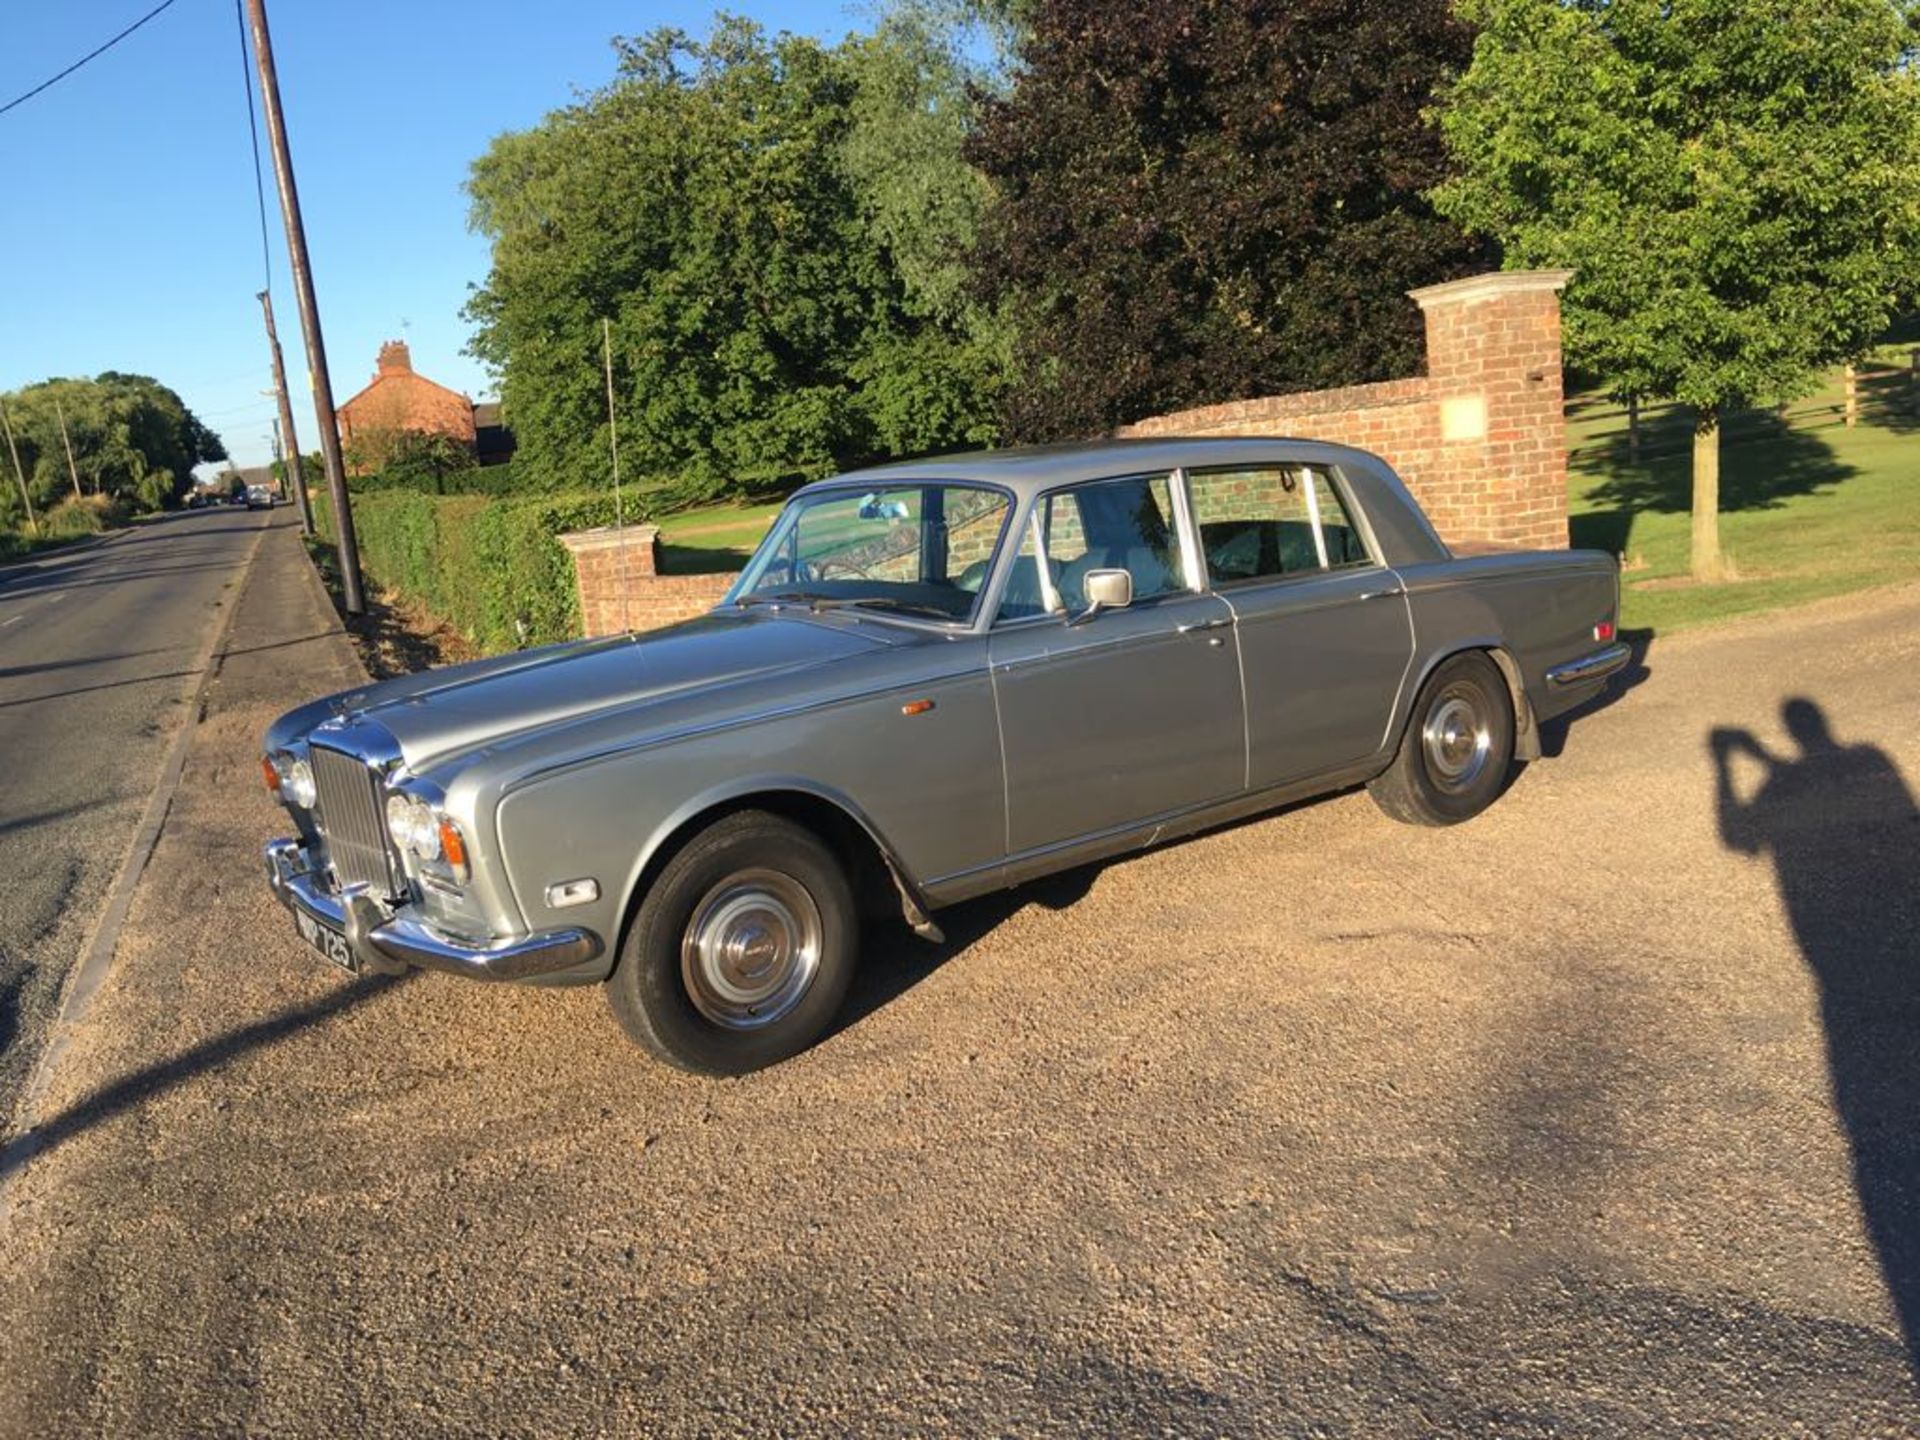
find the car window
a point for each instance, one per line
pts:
(1344, 545)
(1029, 592)
(914, 549)
(1113, 525)
(1261, 521)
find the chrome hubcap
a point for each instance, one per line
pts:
(1457, 740)
(751, 949)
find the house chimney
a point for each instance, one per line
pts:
(395, 359)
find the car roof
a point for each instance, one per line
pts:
(1026, 470)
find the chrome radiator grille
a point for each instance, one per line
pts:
(352, 820)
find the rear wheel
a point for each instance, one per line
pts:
(1457, 748)
(742, 951)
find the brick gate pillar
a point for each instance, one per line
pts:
(1499, 473)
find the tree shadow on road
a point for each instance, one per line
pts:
(1844, 834)
(163, 1075)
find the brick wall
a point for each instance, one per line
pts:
(1480, 439)
(621, 587)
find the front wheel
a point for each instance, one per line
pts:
(1457, 748)
(741, 952)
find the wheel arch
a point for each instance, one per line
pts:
(873, 869)
(1526, 727)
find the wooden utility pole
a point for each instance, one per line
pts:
(73, 471)
(295, 478)
(18, 474)
(309, 309)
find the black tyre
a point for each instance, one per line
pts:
(1457, 748)
(742, 950)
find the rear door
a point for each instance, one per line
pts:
(1324, 628)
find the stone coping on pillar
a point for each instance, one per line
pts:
(1492, 285)
(609, 537)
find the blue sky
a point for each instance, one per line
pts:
(131, 240)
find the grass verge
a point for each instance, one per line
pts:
(1810, 507)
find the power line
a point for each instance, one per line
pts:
(84, 59)
(253, 128)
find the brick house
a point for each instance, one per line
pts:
(400, 400)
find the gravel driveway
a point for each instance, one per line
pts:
(1596, 1116)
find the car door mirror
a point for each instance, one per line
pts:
(1105, 590)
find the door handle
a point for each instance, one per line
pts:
(1193, 626)
(1381, 594)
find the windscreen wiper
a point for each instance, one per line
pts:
(872, 602)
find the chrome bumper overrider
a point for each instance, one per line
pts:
(1596, 666)
(388, 943)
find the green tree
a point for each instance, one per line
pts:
(133, 439)
(430, 463)
(1735, 184)
(1203, 200)
(774, 313)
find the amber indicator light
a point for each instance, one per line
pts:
(272, 775)
(916, 707)
(453, 847)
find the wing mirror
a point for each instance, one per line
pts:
(1105, 590)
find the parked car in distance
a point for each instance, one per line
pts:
(259, 497)
(932, 680)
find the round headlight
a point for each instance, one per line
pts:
(298, 784)
(414, 826)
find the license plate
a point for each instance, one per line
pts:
(329, 944)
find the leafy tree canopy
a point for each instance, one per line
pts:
(1202, 200)
(133, 440)
(1735, 183)
(778, 277)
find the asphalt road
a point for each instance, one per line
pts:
(1599, 1116)
(98, 654)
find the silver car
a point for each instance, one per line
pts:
(933, 680)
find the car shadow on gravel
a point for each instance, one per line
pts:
(1840, 825)
(894, 959)
(151, 1080)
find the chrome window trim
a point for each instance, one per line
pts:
(1313, 517)
(1191, 560)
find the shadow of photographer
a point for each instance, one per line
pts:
(1841, 827)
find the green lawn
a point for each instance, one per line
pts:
(1809, 508)
(714, 538)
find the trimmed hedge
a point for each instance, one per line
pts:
(493, 569)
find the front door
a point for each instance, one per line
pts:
(1131, 714)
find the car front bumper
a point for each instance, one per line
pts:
(388, 941)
